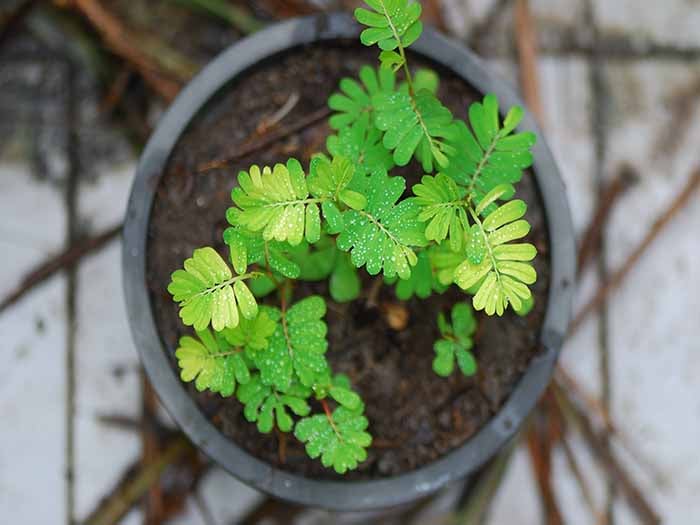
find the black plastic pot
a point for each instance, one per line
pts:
(338, 495)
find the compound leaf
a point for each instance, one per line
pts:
(443, 207)
(456, 342)
(297, 346)
(489, 155)
(329, 180)
(414, 126)
(355, 99)
(267, 406)
(211, 363)
(339, 438)
(390, 23)
(208, 292)
(275, 202)
(501, 278)
(382, 236)
(362, 143)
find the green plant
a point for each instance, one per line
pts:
(345, 212)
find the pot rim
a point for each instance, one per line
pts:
(331, 494)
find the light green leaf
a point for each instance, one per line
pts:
(211, 363)
(252, 335)
(274, 201)
(501, 278)
(208, 292)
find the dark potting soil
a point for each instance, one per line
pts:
(415, 416)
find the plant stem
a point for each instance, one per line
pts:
(228, 282)
(329, 416)
(402, 52)
(479, 224)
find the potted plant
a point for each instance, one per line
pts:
(370, 322)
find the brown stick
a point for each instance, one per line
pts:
(153, 506)
(585, 489)
(62, 261)
(618, 277)
(540, 452)
(607, 459)
(128, 492)
(432, 11)
(281, 133)
(567, 382)
(526, 42)
(159, 66)
(590, 242)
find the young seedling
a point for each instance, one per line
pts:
(344, 212)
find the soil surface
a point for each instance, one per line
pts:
(415, 416)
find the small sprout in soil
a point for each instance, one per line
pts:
(456, 342)
(344, 212)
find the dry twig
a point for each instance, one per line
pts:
(526, 40)
(130, 490)
(281, 133)
(618, 277)
(598, 443)
(590, 241)
(63, 261)
(162, 68)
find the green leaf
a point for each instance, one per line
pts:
(390, 23)
(297, 346)
(252, 335)
(456, 342)
(426, 79)
(344, 284)
(526, 306)
(490, 155)
(267, 406)
(361, 142)
(329, 180)
(420, 283)
(208, 292)
(414, 126)
(333, 217)
(391, 60)
(501, 278)
(355, 99)
(275, 202)
(502, 191)
(316, 262)
(211, 363)
(444, 262)
(443, 207)
(339, 439)
(382, 236)
(340, 390)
